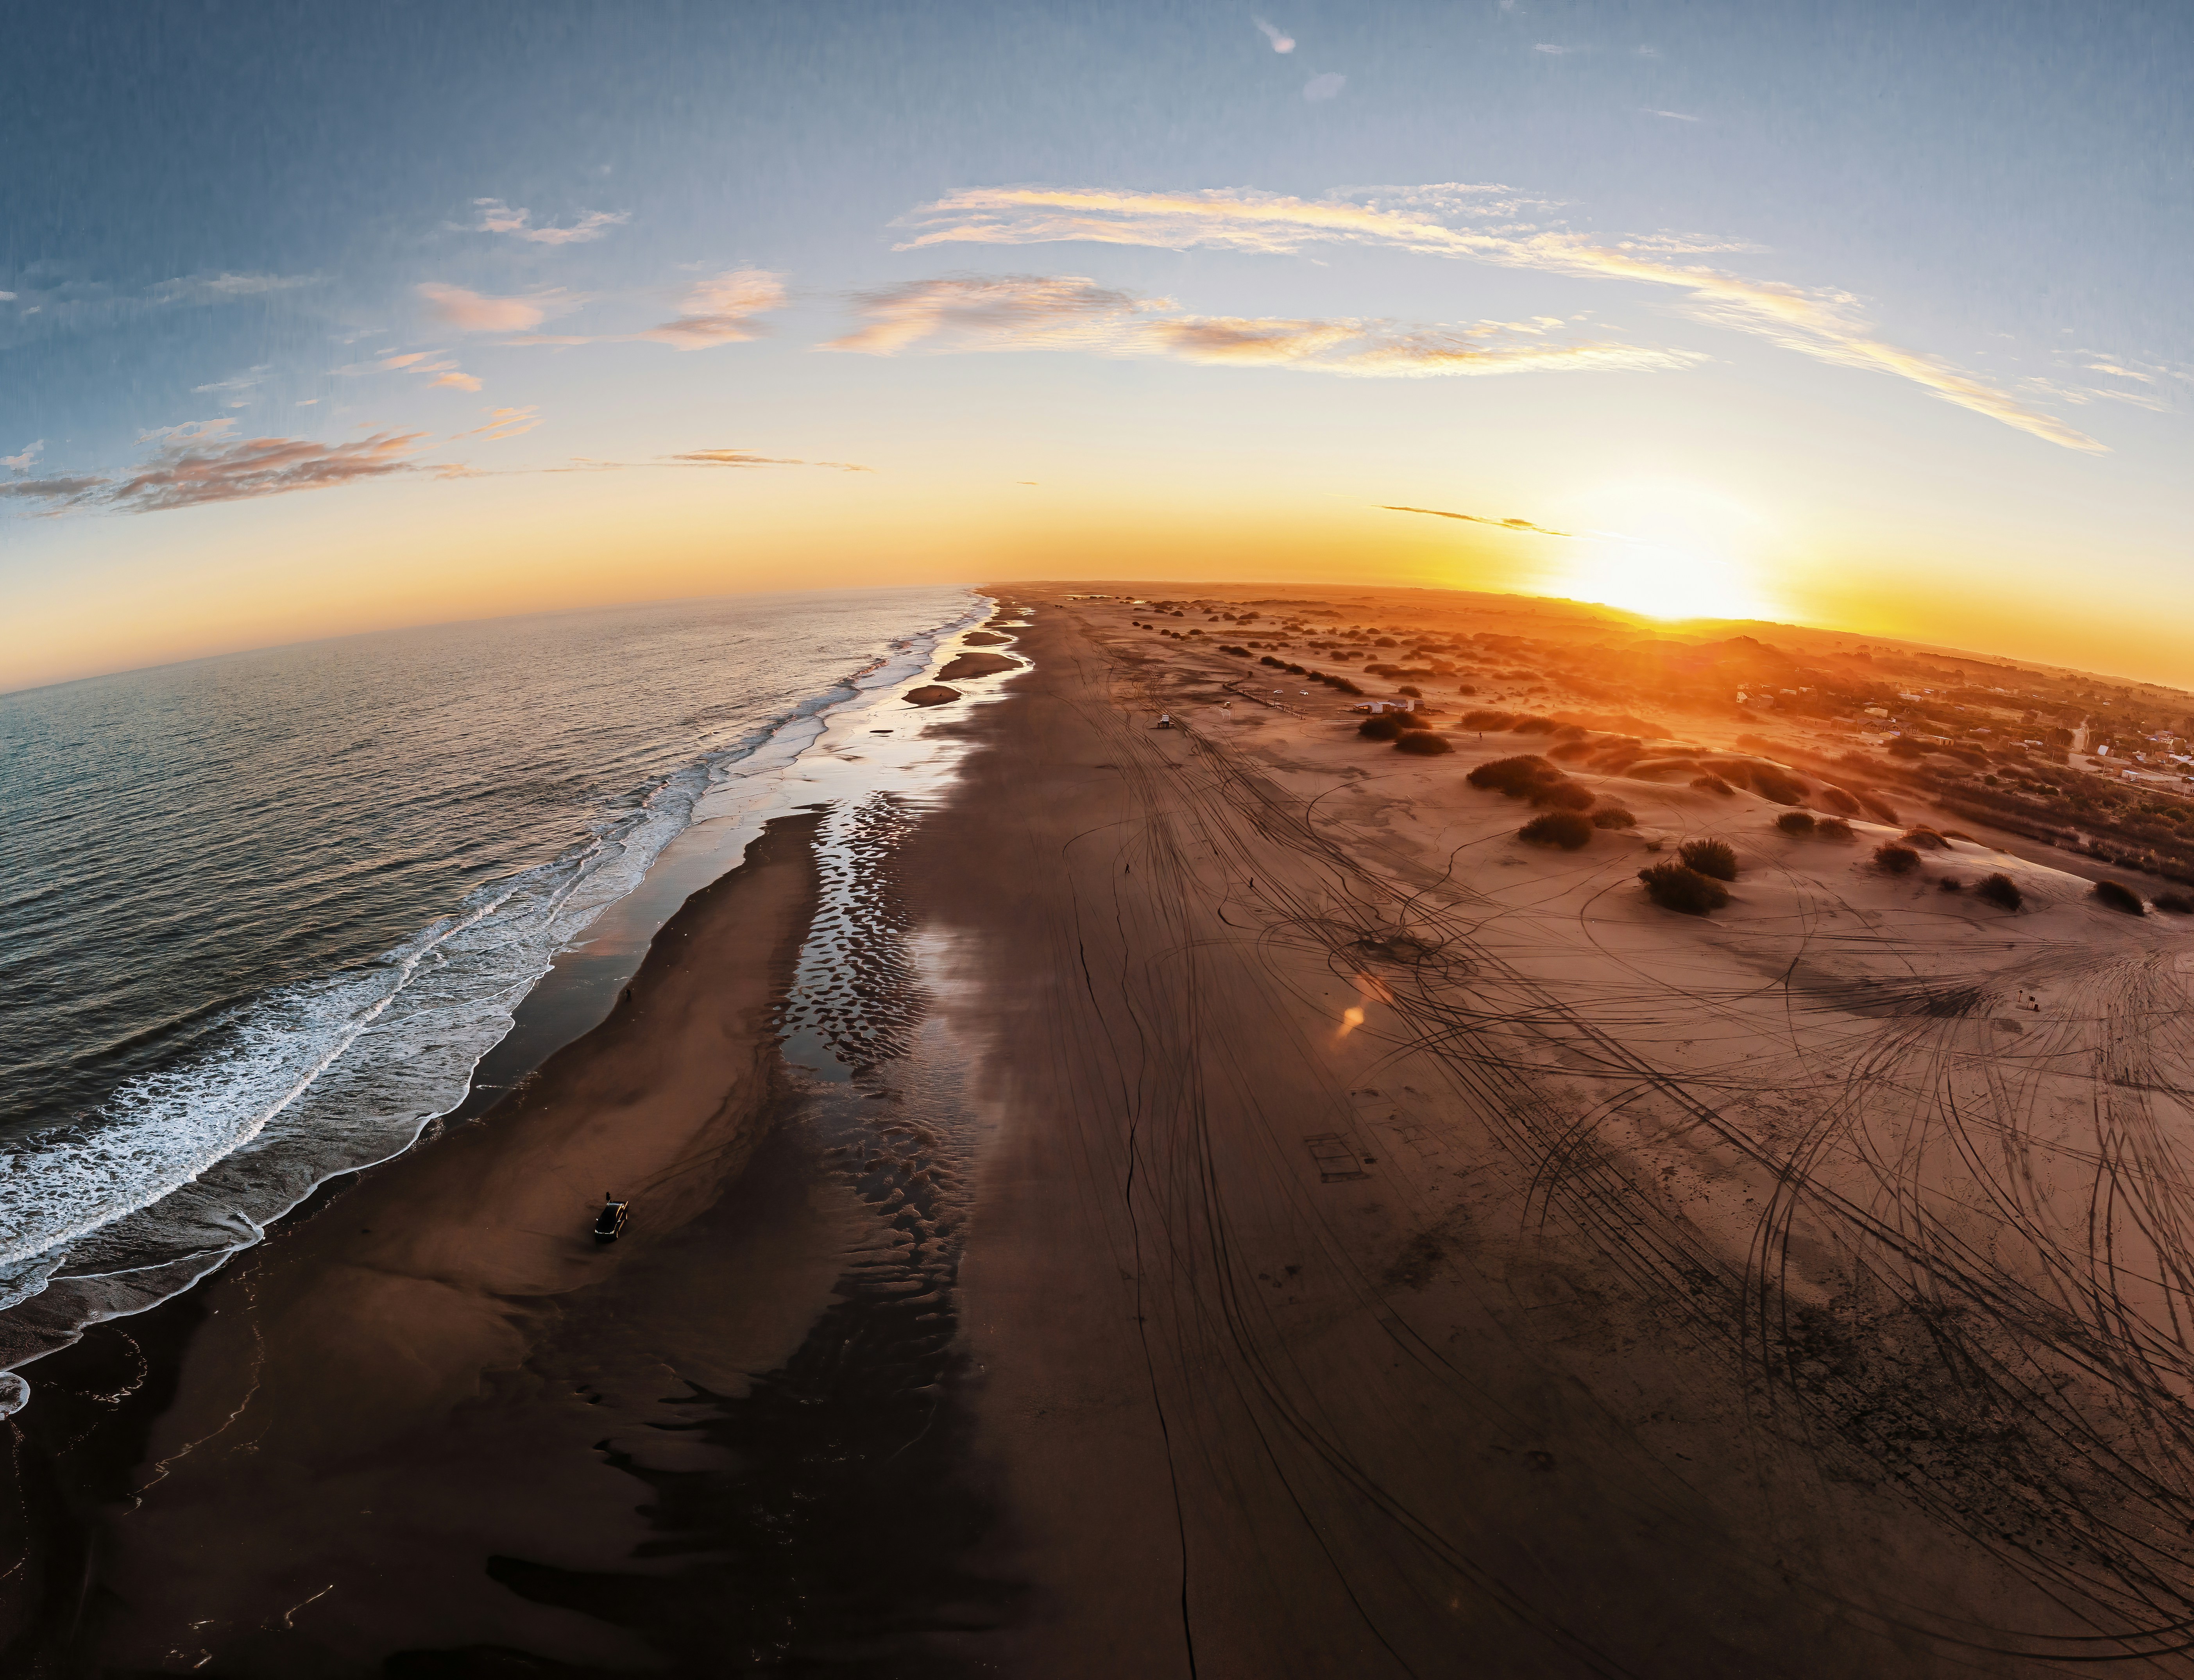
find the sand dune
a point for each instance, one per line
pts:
(1399, 1235)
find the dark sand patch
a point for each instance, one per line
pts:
(977, 665)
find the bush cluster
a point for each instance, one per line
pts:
(1391, 725)
(1675, 888)
(2120, 896)
(1771, 784)
(1837, 800)
(2178, 903)
(1422, 741)
(1613, 817)
(1894, 859)
(1928, 838)
(1714, 857)
(2001, 890)
(1712, 784)
(1795, 822)
(1565, 829)
(1484, 719)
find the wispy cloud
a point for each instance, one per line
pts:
(505, 423)
(196, 463)
(240, 387)
(1320, 88)
(1466, 221)
(1551, 50)
(742, 458)
(1673, 116)
(497, 217)
(1479, 520)
(420, 362)
(1281, 43)
(718, 311)
(23, 462)
(1010, 313)
(472, 312)
(1069, 312)
(192, 472)
(63, 490)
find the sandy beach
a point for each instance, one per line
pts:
(1224, 1206)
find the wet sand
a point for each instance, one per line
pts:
(1226, 1207)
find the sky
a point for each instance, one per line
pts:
(318, 319)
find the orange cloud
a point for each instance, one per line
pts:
(1033, 312)
(717, 311)
(1819, 324)
(471, 311)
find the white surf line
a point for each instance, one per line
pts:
(205, 1158)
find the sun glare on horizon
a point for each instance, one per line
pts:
(1669, 550)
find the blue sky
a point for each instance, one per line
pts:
(1838, 312)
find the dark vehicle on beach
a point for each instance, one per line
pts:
(608, 1224)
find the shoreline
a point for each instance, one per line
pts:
(574, 994)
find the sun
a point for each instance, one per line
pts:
(1667, 549)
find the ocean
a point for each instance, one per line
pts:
(264, 913)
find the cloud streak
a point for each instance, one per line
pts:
(1036, 311)
(197, 464)
(742, 458)
(1478, 520)
(1281, 43)
(1471, 223)
(497, 217)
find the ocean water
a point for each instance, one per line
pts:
(263, 915)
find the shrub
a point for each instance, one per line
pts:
(1613, 817)
(1562, 794)
(1894, 859)
(1535, 725)
(1414, 693)
(2179, 903)
(1673, 887)
(2119, 896)
(1710, 858)
(1960, 833)
(1905, 747)
(1833, 828)
(1772, 784)
(1386, 726)
(1928, 838)
(1880, 809)
(1514, 776)
(1712, 784)
(1837, 800)
(1951, 884)
(1795, 822)
(1565, 829)
(2000, 889)
(1483, 720)
(1422, 741)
